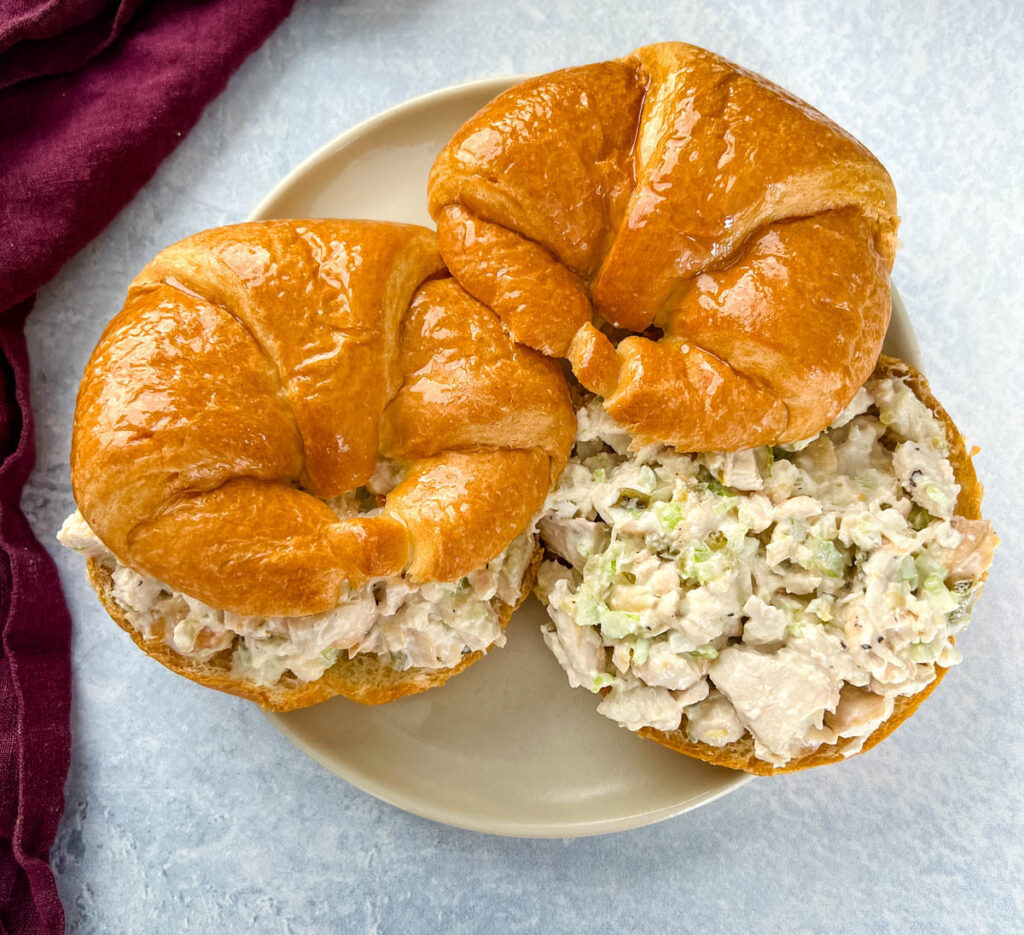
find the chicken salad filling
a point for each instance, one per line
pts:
(789, 594)
(429, 625)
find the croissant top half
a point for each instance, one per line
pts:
(734, 243)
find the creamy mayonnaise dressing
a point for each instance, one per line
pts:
(789, 593)
(429, 625)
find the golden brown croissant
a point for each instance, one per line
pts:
(743, 237)
(257, 371)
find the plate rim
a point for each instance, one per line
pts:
(346, 137)
(507, 828)
(355, 777)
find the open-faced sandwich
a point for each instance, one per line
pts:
(307, 463)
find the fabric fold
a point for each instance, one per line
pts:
(30, 49)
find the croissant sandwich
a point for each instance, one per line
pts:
(308, 464)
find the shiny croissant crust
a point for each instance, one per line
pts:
(257, 370)
(745, 239)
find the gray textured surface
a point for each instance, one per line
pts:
(186, 811)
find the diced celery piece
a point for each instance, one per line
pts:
(671, 516)
(938, 595)
(587, 606)
(908, 572)
(921, 652)
(617, 624)
(825, 558)
(609, 561)
(866, 480)
(929, 567)
(695, 563)
(641, 649)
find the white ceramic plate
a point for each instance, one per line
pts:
(507, 747)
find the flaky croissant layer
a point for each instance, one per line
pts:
(676, 191)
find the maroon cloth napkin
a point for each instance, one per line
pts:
(93, 95)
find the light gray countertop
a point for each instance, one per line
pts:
(186, 811)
